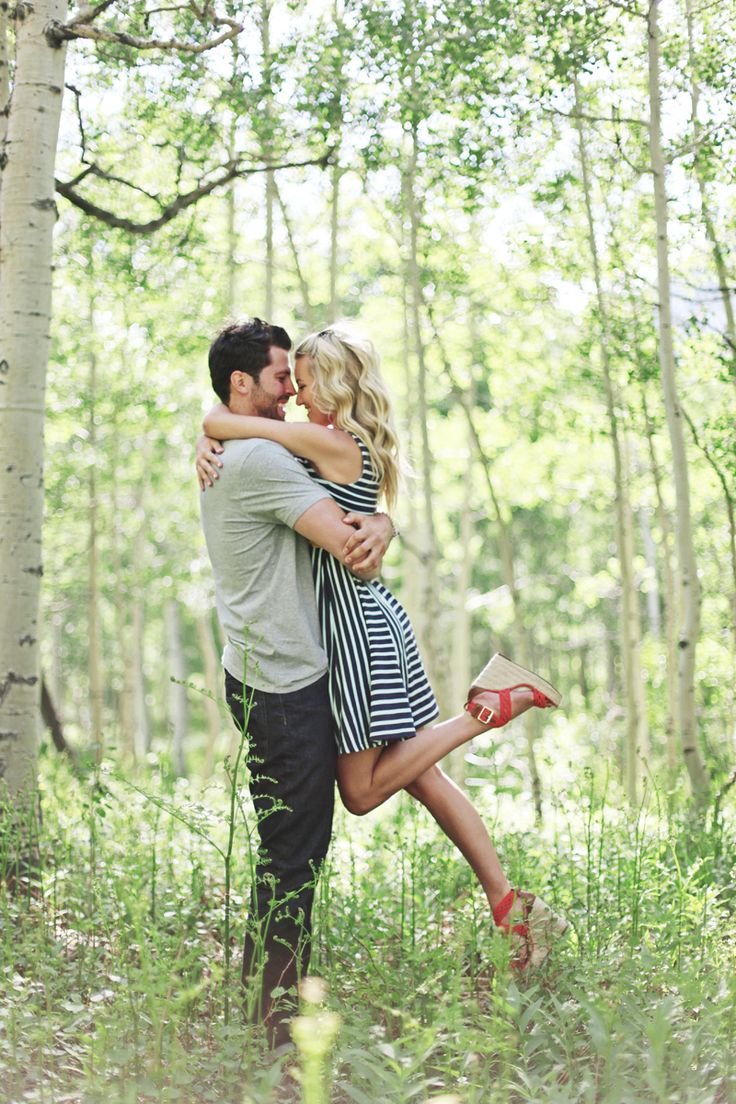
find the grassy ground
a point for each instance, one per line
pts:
(116, 986)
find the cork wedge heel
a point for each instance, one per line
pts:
(502, 675)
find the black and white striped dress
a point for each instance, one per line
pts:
(379, 691)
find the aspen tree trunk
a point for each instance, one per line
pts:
(27, 216)
(522, 645)
(670, 602)
(212, 680)
(141, 730)
(270, 181)
(730, 513)
(96, 692)
(334, 237)
(654, 598)
(303, 285)
(125, 721)
(724, 283)
(689, 583)
(636, 740)
(461, 670)
(4, 77)
(412, 574)
(231, 237)
(433, 636)
(521, 638)
(231, 276)
(177, 692)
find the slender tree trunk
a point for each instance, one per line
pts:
(211, 668)
(730, 513)
(141, 730)
(269, 175)
(670, 606)
(177, 692)
(506, 552)
(52, 720)
(27, 216)
(96, 692)
(653, 596)
(412, 585)
(724, 283)
(462, 674)
(303, 285)
(637, 739)
(4, 79)
(334, 240)
(231, 268)
(433, 636)
(689, 583)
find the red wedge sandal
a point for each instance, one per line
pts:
(502, 676)
(531, 925)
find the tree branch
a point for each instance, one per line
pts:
(88, 14)
(57, 33)
(230, 171)
(596, 118)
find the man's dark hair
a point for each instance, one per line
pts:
(243, 347)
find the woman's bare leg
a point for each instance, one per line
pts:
(461, 823)
(367, 778)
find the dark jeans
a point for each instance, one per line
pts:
(291, 761)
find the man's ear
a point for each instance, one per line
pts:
(241, 383)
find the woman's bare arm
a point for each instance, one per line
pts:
(332, 451)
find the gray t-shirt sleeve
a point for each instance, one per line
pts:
(277, 485)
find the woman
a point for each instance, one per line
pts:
(380, 697)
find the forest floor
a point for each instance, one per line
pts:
(116, 986)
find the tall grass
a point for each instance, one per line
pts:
(117, 984)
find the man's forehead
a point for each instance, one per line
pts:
(279, 358)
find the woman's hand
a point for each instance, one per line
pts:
(207, 461)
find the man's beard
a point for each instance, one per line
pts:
(264, 404)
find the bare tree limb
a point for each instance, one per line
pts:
(53, 722)
(640, 170)
(88, 14)
(229, 172)
(596, 118)
(57, 33)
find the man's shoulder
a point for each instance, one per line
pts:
(254, 448)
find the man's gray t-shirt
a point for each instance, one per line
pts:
(263, 576)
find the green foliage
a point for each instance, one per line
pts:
(114, 984)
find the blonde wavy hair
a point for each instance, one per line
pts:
(349, 386)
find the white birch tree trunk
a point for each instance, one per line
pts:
(4, 77)
(270, 179)
(177, 692)
(461, 634)
(212, 683)
(636, 739)
(96, 691)
(432, 627)
(27, 216)
(724, 283)
(141, 729)
(334, 240)
(672, 726)
(689, 583)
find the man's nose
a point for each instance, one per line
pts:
(290, 388)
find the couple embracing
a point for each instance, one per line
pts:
(320, 656)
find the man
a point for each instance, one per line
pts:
(258, 519)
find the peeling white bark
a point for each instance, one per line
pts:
(689, 582)
(27, 216)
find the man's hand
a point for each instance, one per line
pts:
(207, 462)
(366, 546)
